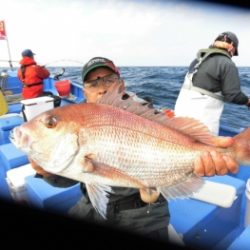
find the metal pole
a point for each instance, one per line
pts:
(8, 46)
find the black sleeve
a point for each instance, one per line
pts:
(231, 88)
(58, 181)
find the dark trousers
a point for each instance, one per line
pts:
(149, 220)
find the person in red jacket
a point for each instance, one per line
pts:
(31, 75)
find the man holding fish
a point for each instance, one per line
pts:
(134, 203)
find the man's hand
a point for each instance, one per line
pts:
(215, 163)
(248, 103)
(39, 170)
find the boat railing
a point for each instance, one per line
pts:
(75, 95)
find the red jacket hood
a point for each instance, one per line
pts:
(27, 61)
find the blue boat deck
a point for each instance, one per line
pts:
(200, 224)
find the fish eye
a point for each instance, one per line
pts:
(50, 121)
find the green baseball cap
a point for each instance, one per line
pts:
(97, 62)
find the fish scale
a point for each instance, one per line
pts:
(149, 156)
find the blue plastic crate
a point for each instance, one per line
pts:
(202, 224)
(11, 157)
(4, 188)
(49, 85)
(44, 196)
(13, 83)
(15, 108)
(6, 125)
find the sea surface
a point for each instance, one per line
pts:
(163, 84)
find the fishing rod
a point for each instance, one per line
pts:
(64, 60)
(63, 70)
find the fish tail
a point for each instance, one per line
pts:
(241, 147)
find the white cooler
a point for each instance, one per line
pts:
(16, 181)
(36, 106)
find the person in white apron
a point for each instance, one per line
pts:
(212, 80)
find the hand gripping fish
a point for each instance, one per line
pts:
(120, 142)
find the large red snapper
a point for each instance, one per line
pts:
(130, 145)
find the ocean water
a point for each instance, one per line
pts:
(163, 84)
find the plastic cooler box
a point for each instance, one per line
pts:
(36, 106)
(10, 158)
(47, 197)
(16, 182)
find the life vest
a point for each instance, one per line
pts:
(200, 103)
(31, 75)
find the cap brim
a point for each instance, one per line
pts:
(94, 67)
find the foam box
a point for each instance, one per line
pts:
(36, 106)
(46, 197)
(15, 179)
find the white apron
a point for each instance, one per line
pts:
(192, 103)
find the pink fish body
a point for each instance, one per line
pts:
(104, 146)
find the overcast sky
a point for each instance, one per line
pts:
(131, 33)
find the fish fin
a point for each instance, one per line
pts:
(87, 163)
(192, 128)
(116, 96)
(99, 196)
(184, 189)
(118, 176)
(149, 195)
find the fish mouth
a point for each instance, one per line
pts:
(20, 139)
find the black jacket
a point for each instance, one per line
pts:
(219, 73)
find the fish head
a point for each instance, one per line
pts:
(49, 139)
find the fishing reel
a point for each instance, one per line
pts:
(59, 74)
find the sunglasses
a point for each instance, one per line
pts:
(106, 80)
